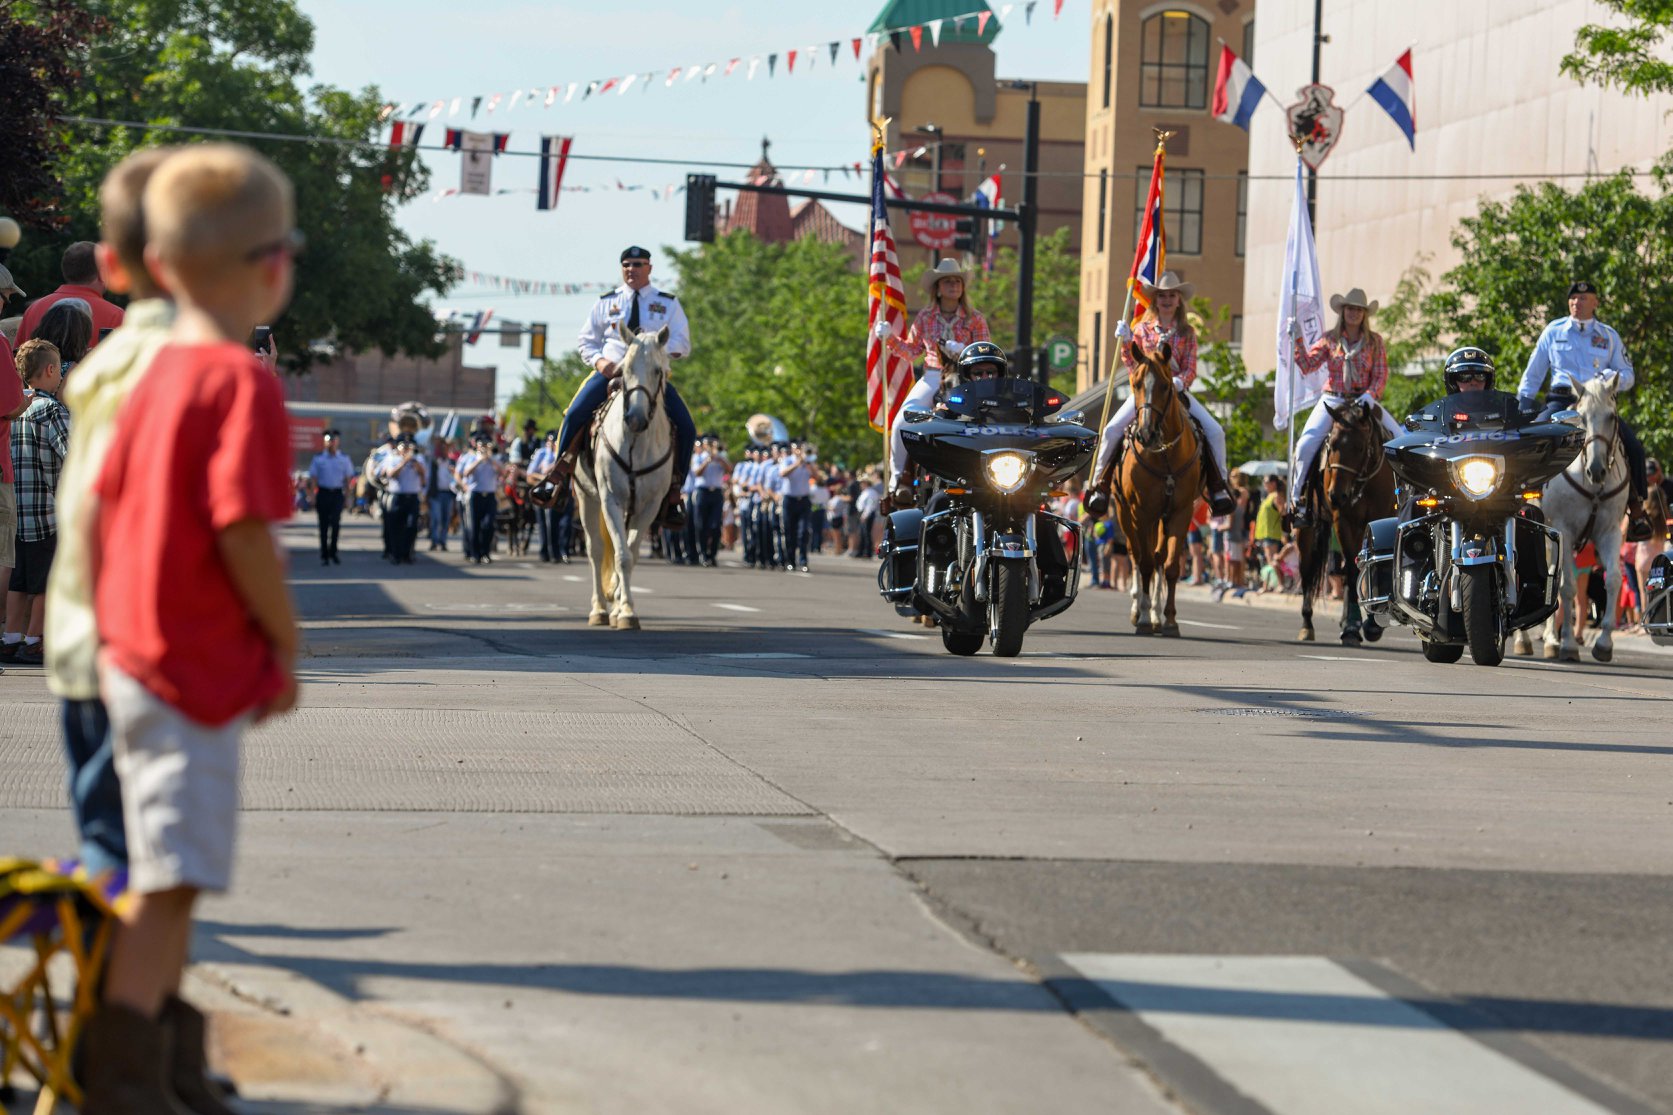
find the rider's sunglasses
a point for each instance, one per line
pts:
(291, 244)
(1471, 377)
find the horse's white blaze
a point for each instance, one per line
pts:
(606, 488)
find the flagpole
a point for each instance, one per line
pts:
(1126, 311)
(878, 127)
(1295, 280)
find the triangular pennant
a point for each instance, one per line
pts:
(772, 61)
(1056, 8)
(627, 82)
(836, 47)
(608, 85)
(856, 45)
(790, 62)
(416, 108)
(917, 38)
(709, 70)
(1028, 13)
(754, 64)
(494, 101)
(672, 74)
(570, 95)
(730, 66)
(645, 82)
(691, 72)
(551, 95)
(476, 103)
(894, 40)
(935, 32)
(982, 22)
(516, 95)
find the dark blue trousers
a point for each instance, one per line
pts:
(95, 793)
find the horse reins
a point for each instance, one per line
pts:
(1365, 472)
(1600, 497)
(1169, 479)
(653, 402)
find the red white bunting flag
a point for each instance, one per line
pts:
(856, 46)
(790, 63)
(672, 74)
(917, 39)
(730, 66)
(982, 22)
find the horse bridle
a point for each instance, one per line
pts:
(1599, 497)
(1365, 472)
(653, 403)
(1161, 421)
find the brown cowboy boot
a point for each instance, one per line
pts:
(1098, 496)
(124, 1057)
(1638, 521)
(672, 516)
(1220, 500)
(188, 1063)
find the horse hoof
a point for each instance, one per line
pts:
(1522, 649)
(1171, 630)
(1602, 654)
(625, 623)
(1372, 632)
(1306, 635)
(1351, 639)
(598, 619)
(1569, 654)
(1551, 652)
(1144, 627)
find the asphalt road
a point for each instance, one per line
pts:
(780, 852)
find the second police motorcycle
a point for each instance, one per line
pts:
(980, 554)
(1469, 558)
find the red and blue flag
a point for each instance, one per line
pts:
(1394, 92)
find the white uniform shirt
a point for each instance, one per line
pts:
(600, 337)
(408, 479)
(332, 470)
(477, 473)
(1575, 352)
(795, 477)
(709, 469)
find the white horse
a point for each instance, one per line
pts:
(1586, 502)
(622, 485)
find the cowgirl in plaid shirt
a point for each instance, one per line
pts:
(1357, 360)
(40, 439)
(948, 321)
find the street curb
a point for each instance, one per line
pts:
(394, 1063)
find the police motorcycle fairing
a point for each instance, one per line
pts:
(982, 556)
(1469, 559)
(1658, 601)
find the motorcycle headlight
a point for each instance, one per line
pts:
(1006, 471)
(1477, 476)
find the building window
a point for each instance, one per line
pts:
(1097, 346)
(1237, 329)
(1242, 209)
(1109, 52)
(1182, 208)
(1249, 43)
(1174, 73)
(1103, 205)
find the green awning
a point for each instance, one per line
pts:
(898, 15)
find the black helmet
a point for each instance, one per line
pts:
(1467, 361)
(982, 359)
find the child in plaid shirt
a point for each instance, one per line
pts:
(40, 441)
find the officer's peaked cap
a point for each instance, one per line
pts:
(1581, 286)
(635, 252)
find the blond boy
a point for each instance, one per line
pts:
(198, 638)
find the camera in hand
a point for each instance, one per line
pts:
(262, 339)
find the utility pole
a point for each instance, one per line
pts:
(1319, 39)
(1023, 357)
(935, 132)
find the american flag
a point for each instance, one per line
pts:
(888, 375)
(1152, 253)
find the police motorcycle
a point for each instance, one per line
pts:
(1469, 559)
(1658, 601)
(980, 555)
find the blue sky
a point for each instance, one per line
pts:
(424, 50)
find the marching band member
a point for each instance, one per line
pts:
(407, 475)
(477, 478)
(1357, 358)
(331, 471)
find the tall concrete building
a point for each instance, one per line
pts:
(1153, 66)
(949, 100)
(1493, 111)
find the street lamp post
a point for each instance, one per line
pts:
(935, 132)
(10, 234)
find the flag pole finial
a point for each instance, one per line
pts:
(879, 128)
(1162, 137)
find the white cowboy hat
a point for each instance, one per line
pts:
(1170, 281)
(1354, 297)
(946, 269)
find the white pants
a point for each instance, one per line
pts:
(1314, 433)
(1117, 429)
(921, 397)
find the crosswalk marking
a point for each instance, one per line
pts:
(1301, 1035)
(1216, 626)
(736, 607)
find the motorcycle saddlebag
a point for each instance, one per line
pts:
(1658, 601)
(1376, 564)
(899, 552)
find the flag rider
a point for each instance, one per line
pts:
(1357, 359)
(888, 374)
(642, 308)
(1165, 323)
(950, 322)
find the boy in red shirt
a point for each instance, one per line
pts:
(189, 590)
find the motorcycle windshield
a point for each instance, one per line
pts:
(1006, 399)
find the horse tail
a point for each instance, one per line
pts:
(608, 554)
(1314, 559)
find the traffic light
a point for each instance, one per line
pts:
(966, 232)
(537, 340)
(700, 208)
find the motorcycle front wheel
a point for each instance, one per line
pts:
(1481, 616)
(1008, 608)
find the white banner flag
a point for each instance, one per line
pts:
(1301, 301)
(476, 173)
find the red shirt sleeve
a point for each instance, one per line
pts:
(249, 465)
(11, 384)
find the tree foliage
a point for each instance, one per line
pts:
(1632, 58)
(777, 329)
(545, 397)
(40, 49)
(234, 64)
(1519, 256)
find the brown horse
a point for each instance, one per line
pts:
(1354, 485)
(1156, 489)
